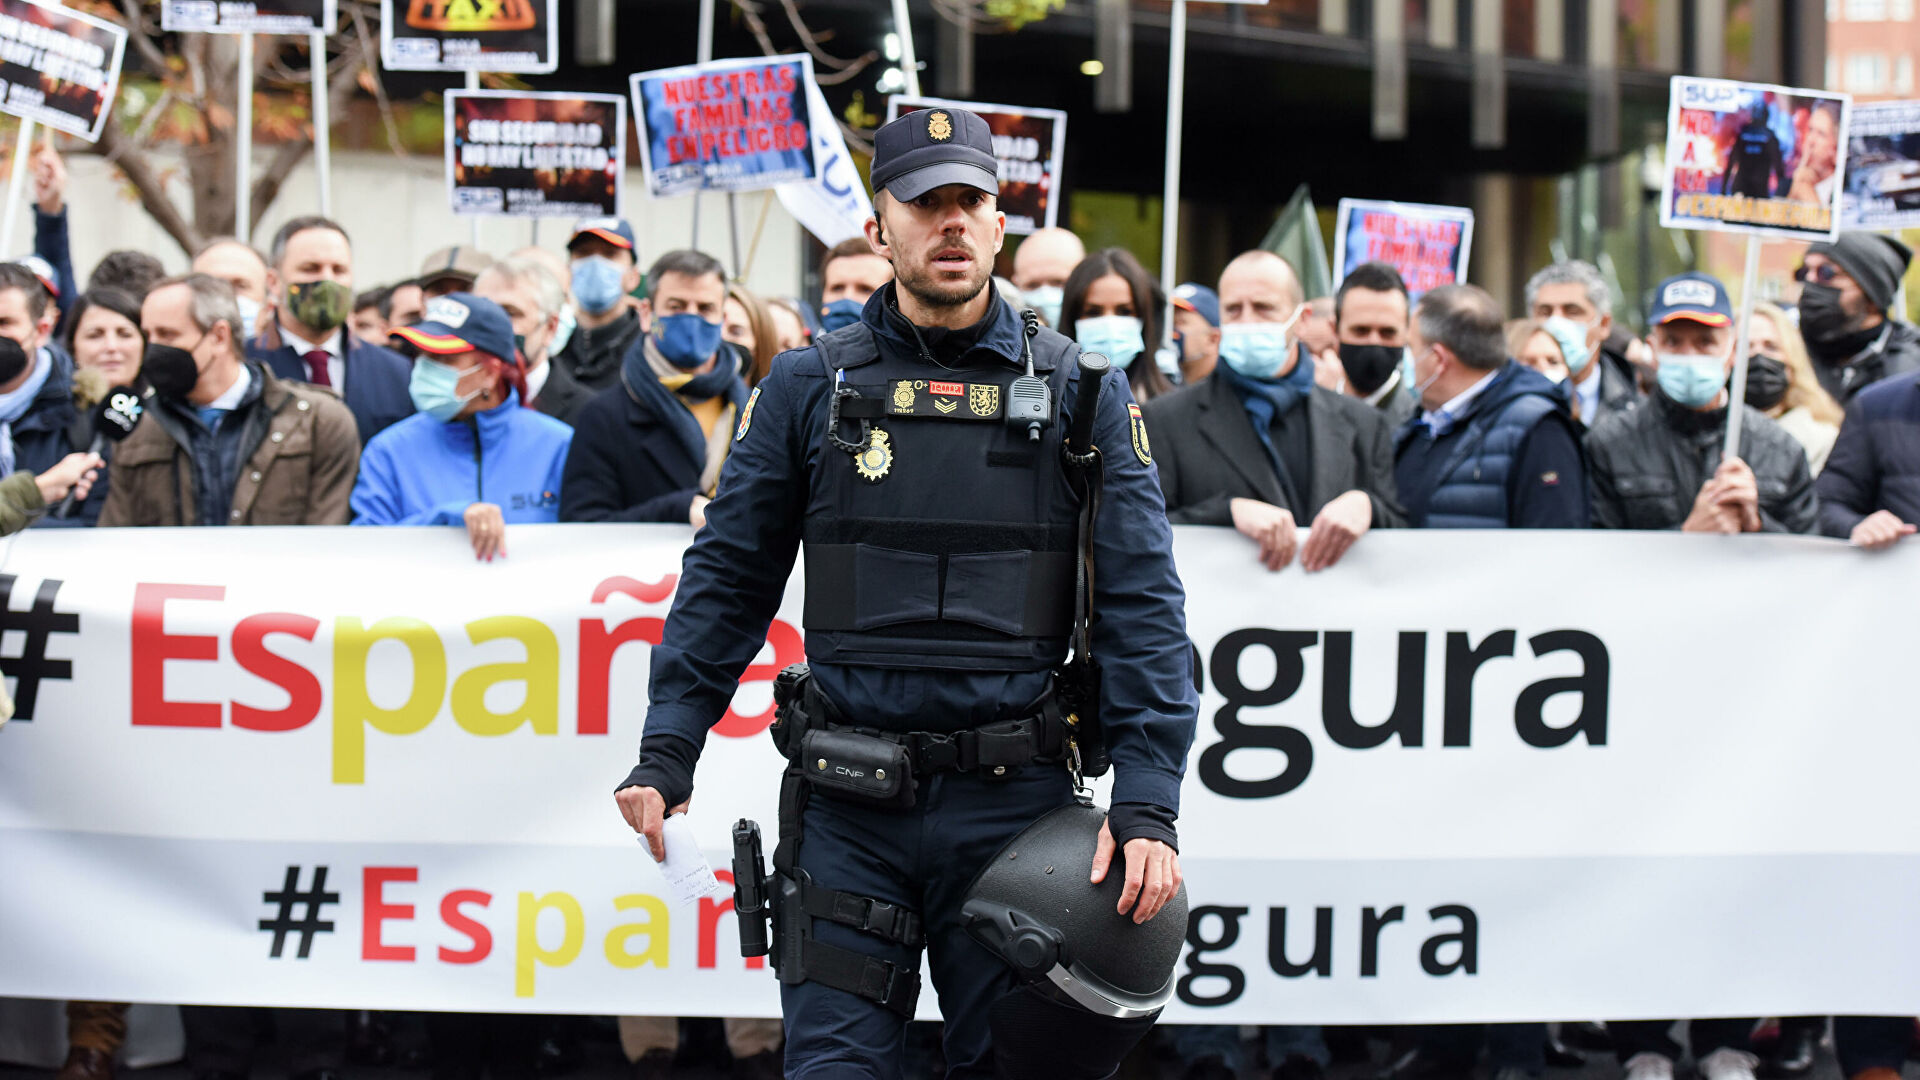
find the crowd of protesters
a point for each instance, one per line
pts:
(496, 389)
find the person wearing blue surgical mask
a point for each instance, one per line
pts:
(651, 447)
(1573, 302)
(1258, 445)
(474, 454)
(1660, 466)
(603, 271)
(1041, 265)
(851, 272)
(1112, 306)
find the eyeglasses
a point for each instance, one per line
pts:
(1824, 273)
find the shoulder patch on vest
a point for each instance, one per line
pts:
(1139, 428)
(746, 415)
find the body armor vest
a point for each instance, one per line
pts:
(937, 535)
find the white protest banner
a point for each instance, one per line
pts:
(535, 154)
(1428, 245)
(58, 66)
(835, 207)
(1029, 146)
(249, 16)
(354, 768)
(1883, 166)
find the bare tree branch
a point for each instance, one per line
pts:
(137, 167)
(291, 153)
(143, 39)
(369, 53)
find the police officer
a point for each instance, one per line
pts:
(940, 594)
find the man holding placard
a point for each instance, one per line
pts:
(1660, 466)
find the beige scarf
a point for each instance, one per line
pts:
(721, 437)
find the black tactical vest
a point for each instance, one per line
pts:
(947, 541)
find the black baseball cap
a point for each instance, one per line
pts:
(929, 148)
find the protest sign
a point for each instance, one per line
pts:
(58, 67)
(1030, 145)
(1883, 166)
(535, 154)
(728, 125)
(1753, 158)
(1428, 245)
(834, 207)
(249, 16)
(469, 35)
(386, 781)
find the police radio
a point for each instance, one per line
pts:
(114, 419)
(1029, 399)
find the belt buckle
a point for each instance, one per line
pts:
(939, 753)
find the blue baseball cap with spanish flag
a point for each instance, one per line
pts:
(461, 322)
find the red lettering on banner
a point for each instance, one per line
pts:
(375, 910)
(710, 912)
(475, 930)
(645, 592)
(153, 647)
(953, 388)
(598, 645)
(302, 686)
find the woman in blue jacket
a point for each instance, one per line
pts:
(472, 454)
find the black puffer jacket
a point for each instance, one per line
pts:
(1895, 351)
(1650, 463)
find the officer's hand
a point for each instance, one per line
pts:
(1337, 526)
(487, 530)
(646, 810)
(1269, 526)
(1153, 873)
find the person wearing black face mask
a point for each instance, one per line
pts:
(222, 441)
(1781, 384)
(1846, 299)
(1370, 320)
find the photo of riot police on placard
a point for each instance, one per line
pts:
(1754, 158)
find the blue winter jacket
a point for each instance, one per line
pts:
(422, 471)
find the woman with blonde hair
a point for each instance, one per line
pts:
(1781, 383)
(748, 324)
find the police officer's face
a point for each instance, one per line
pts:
(941, 244)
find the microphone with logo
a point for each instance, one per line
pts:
(113, 419)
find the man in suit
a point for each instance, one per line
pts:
(1572, 294)
(310, 275)
(1258, 446)
(650, 447)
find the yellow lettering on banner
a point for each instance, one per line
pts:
(353, 706)
(655, 928)
(527, 951)
(540, 671)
